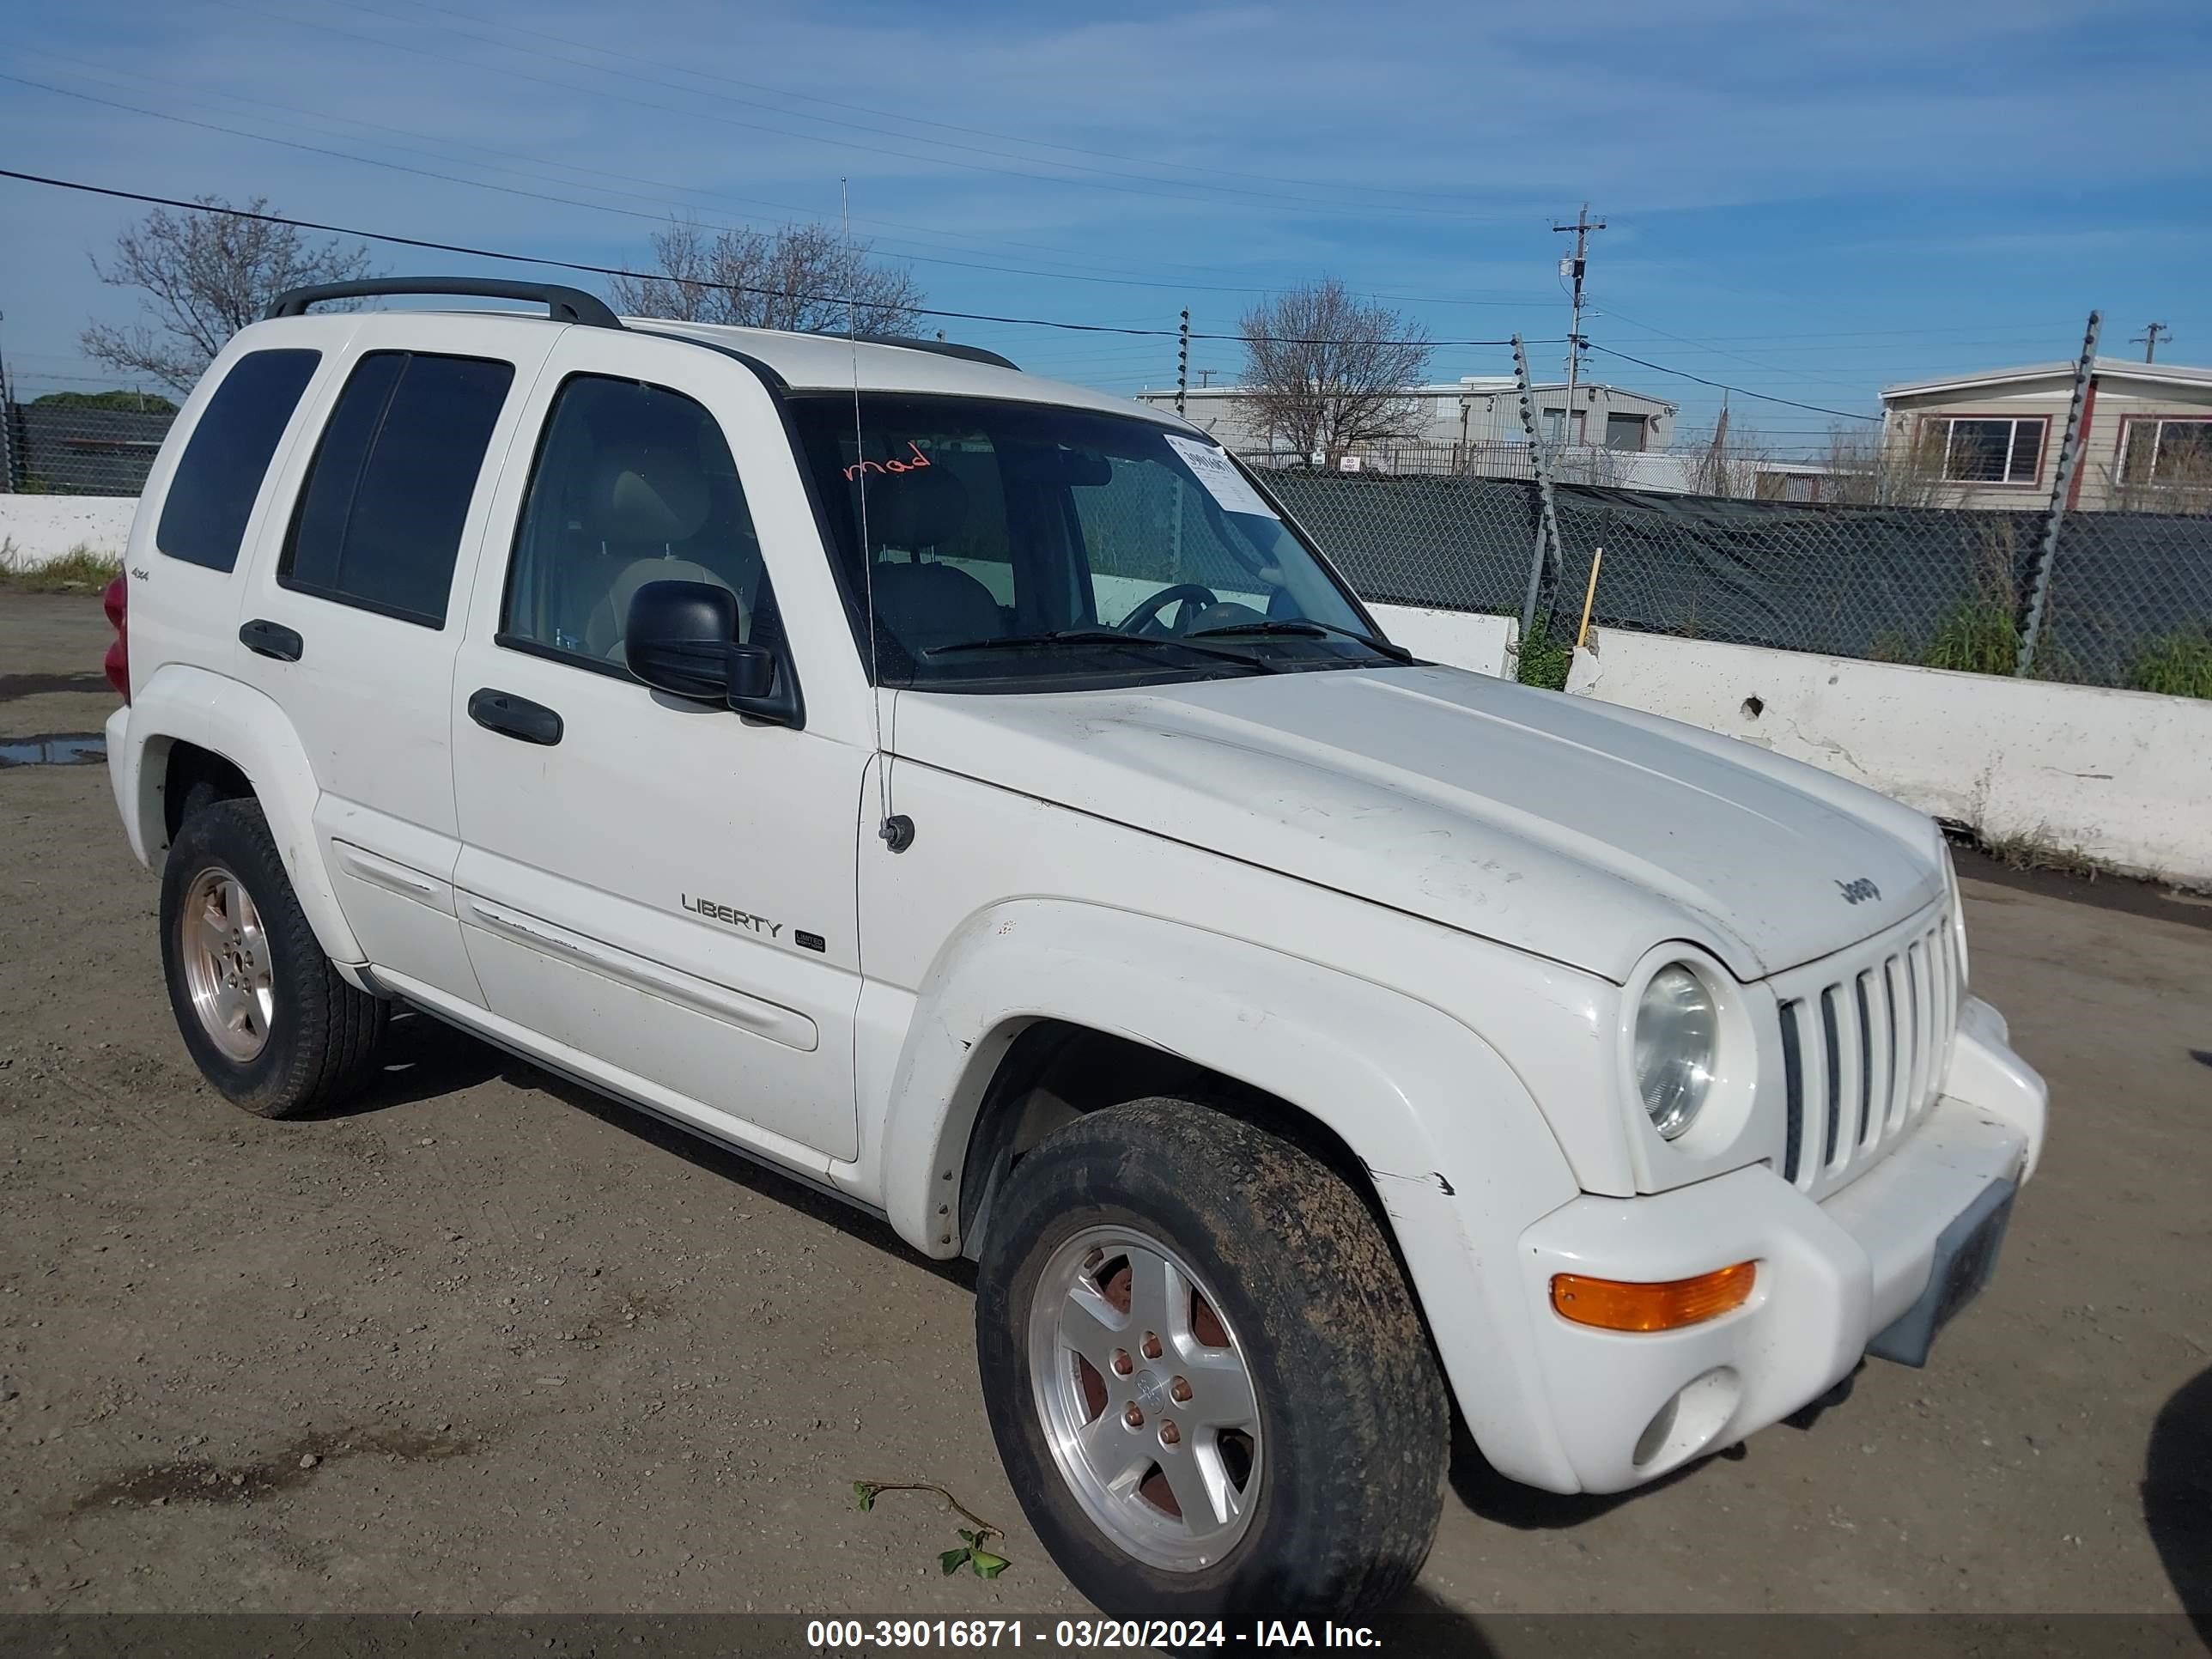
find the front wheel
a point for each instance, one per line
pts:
(1209, 1385)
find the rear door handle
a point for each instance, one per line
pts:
(514, 717)
(268, 638)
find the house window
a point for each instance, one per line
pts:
(2158, 450)
(1556, 419)
(1979, 449)
(1626, 431)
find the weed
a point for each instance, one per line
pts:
(80, 570)
(1980, 633)
(2030, 850)
(971, 1554)
(2177, 665)
(1541, 662)
(1891, 645)
(1976, 637)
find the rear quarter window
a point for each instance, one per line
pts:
(211, 494)
(379, 519)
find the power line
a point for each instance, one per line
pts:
(430, 148)
(1722, 386)
(574, 88)
(1360, 188)
(1716, 351)
(577, 202)
(616, 270)
(662, 218)
(503, 40)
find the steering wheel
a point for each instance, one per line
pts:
(1147, 613)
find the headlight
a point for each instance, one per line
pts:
(1677, 1040)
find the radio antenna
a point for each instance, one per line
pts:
(893, 831)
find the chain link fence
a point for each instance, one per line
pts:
(56, 449)
(2129, 600)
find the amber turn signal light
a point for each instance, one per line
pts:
(1613, 1305)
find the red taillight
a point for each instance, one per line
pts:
(116, 601)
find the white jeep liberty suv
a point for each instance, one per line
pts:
(972, 795)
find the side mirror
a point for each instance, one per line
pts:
(680, 638)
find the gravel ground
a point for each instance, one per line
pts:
(484, 1343)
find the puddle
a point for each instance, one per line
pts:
(31, 685)
(54, 749)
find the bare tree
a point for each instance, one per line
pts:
(1727, 461)
(1328, 372)
(1902, 466)
(204, 277)
(800, 277)
(1597, 464)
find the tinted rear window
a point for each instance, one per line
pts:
(211, 495)
(379, 519)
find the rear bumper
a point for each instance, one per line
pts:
(1833, 1276)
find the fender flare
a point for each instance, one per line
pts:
(1461, 1157)
(183, 704)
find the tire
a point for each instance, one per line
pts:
(1343, 1481)
(282, 1035)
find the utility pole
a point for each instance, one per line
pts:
(1182, 360)
(1583, 225)
(2148, 340)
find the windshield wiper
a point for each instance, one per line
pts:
(1100, 636)
(1307, 626)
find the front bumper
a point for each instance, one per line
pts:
(1833, 1276)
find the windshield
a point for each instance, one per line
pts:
(1010, 545)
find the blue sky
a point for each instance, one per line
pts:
(1804, 199)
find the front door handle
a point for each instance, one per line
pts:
(268, 638)
(514, 717)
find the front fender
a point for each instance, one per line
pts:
(1461, 1157)
(183, 704)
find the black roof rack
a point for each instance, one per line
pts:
(563, 304)
(942, 348)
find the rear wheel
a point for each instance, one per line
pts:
(1209, 1383)
(267, 1018)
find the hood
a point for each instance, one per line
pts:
(1555, 825)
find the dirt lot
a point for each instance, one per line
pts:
(484, 1343)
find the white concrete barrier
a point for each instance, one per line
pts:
(1458, 637)
(2123, 777)
(36, 530)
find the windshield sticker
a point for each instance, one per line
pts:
(1223, 482)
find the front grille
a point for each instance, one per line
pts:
(1865, 1037)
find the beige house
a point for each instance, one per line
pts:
(1992, 440)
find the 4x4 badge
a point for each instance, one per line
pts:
(1854, 891)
